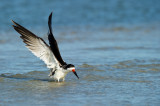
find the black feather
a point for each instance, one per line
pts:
(53, 43)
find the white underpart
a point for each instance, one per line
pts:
(61, 73)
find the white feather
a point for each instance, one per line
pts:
(41, 50)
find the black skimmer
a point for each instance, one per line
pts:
(49, 54)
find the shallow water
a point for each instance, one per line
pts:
(114, 46)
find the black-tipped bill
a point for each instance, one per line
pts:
(75, 73)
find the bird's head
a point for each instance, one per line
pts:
(71, 67)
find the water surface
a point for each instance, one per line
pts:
(113, 44)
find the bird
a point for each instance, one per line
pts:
(50, 54)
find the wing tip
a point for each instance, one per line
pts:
(51, 14)
(13, 26)
(16, 25)
(50, 19)
(50, 23)
(14, 22)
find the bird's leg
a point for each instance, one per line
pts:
(52, 72)
(58, 79)
(63, 79)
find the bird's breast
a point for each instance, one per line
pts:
(59, 74)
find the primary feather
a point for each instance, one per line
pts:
(37, 46)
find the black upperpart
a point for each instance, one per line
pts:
(68, 66)
(53, 43)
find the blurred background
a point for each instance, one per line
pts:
(115, 45)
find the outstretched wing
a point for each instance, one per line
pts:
(36, 45)
(53, 43)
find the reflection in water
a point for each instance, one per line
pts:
(43, 86)
(96, 82)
